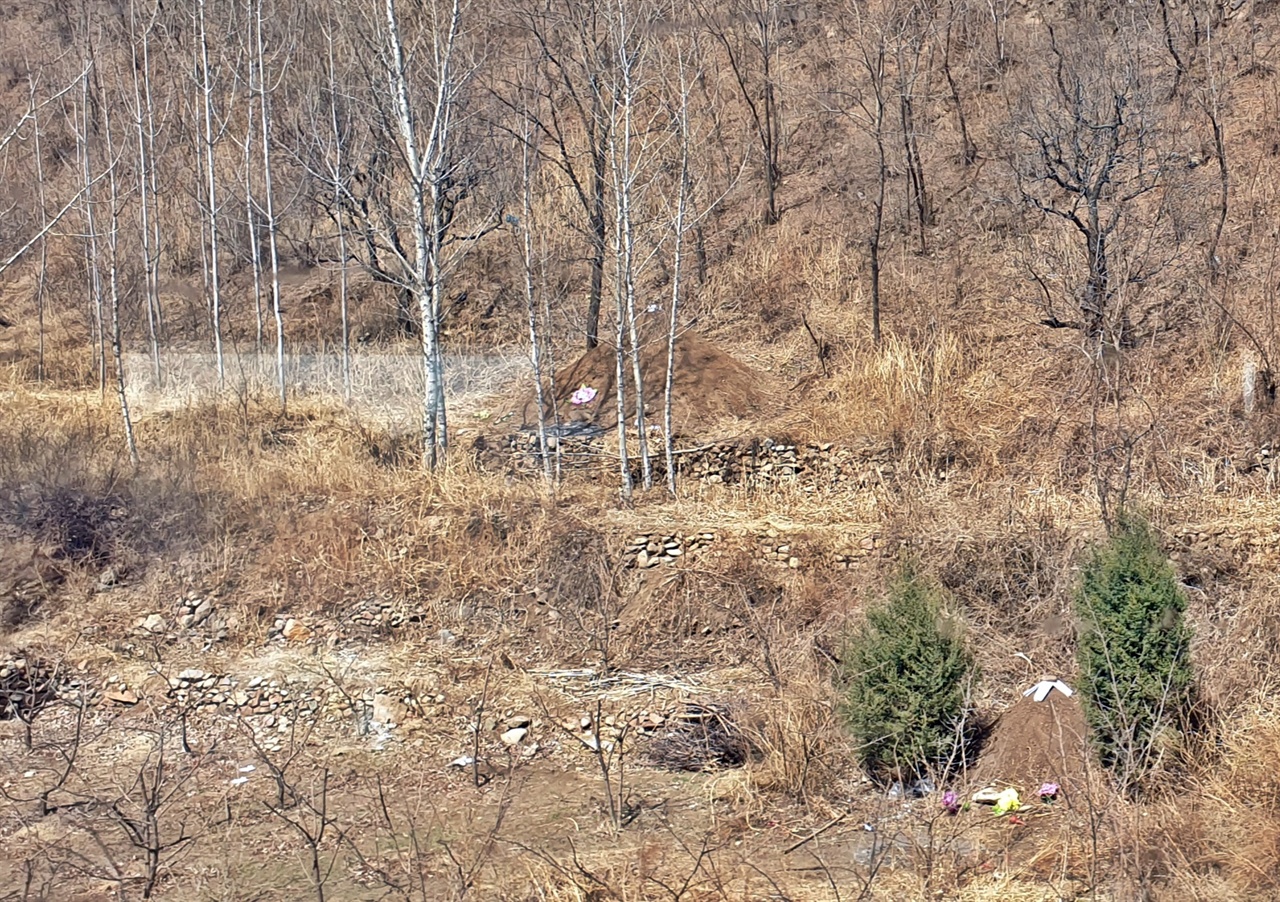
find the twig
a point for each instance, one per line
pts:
(815, 834)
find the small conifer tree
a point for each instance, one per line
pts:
(906, 675)
(1134, 650)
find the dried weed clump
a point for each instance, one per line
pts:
(1241, 799)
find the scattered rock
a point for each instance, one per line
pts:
(389, 710)
(153, 623)
(109, 579)
(294, 631)
(514, 736)
(121, 696)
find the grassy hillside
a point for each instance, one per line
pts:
(277, 657)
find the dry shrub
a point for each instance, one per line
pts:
(1245, 797)
(700, 737)
(799, 748)
(572, 568)
(1236, 625)
(1013, 582)
(915, 395)
(28, 577)
(67, 487)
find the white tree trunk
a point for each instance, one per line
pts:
(91, 236)
(143, 116)
(42, 276)
(337, 174)
(251, 223)
(113, 280)
(215, 281)
(264, 111)
(530, 298)
(624, 184)
(426, 162)
(677, 269)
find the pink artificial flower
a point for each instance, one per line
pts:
(950, 802)
(1048, 791)
(584, 395)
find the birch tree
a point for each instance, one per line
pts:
(264, 111)
(679, 225)
(15, 132)
(115, 202)
(537, 330)
(209, 142)
(148, 210)
(426, 81)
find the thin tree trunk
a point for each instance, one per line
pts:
(251, 220)
(624, 181)
(677, 269)
(153, 185)
(531, 301)
(113, 283)
(969, 150)
(268, 187)
(550, 365)
(91, 239)
(43, 273)
(620, 336)
(597, 238)
(342, 308)
(767, 27)
(426, 185)
(337, 173)
(215, 281)
(144, 165)
(877, 225)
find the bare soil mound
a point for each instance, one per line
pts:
(709, 387)
(1037, 742)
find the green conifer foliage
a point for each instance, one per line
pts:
(906, 675)
(1134, 650)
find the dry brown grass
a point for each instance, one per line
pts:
(999, 429)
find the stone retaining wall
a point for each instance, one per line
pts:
(756, 464)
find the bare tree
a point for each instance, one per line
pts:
(16, 131)
(422, 106)
(151, 809)
(749, 33)
(1091, 146)
(536, 339)
(679, 226)
(914, 33)
(208, 148)
(93, 273)
(866, 107)
(148, 210)
(264, 111)
(629, 42)
(338, 171)
(571, 51)
(115, 201)
(968, 149)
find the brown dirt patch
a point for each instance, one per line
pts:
(709, 387)
(1037, 742)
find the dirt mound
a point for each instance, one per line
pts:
(1034, 743)
(709, 386)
